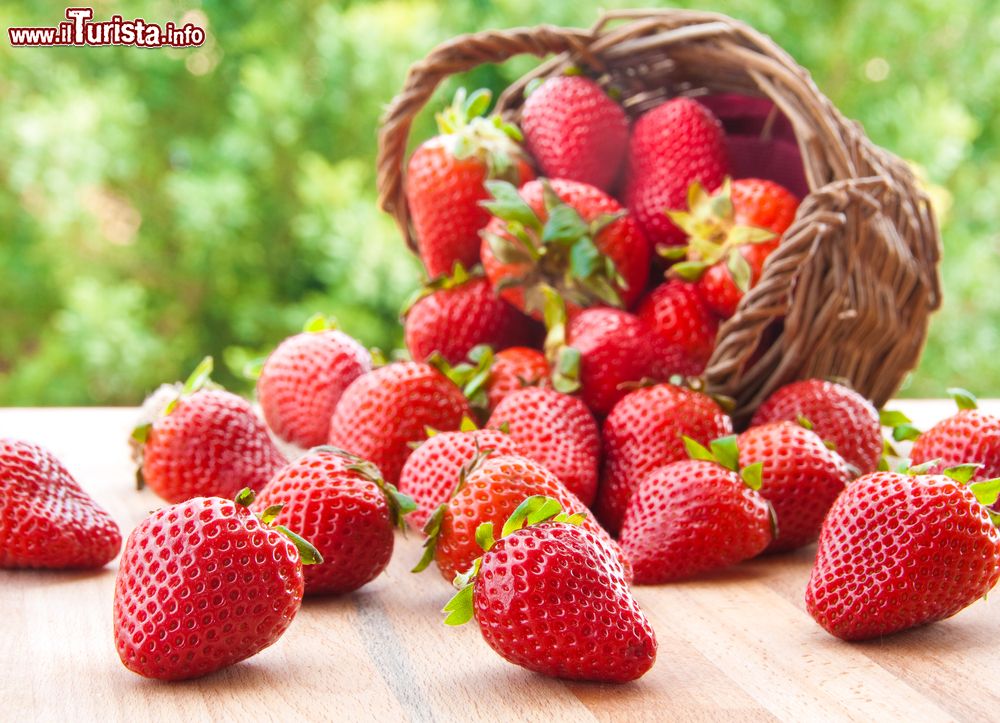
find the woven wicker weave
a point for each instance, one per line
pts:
(848, 293)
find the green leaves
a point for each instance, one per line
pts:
(963, 398)
(319, 322)
(696, 450)
(245, 497)
(270, 514)
(198, 378)
(459, 608)
(901, 425)
(739, 269)
(533, 510)
(309, 554)
(753, 475)
(484, 536)
(432, 530)
(141, 433)
(986, 491)
(508, 205)
(725, 452)
(566, 371)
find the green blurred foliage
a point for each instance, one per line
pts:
(162, 204)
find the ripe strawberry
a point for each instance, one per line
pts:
(730, 235)
(205, 584)
(46, 519)
(839, 415)
(686, 328)
(515, 368)
(342, 505)
(302, 380)
(644, 431)
(558, 432)
(385, 410)
(564, 236)
(801, 478)
(970, 436)
(438, 466)
(492, 491)
(615, 348)
(897, 551)
(206, 442)
(552, 598)
(691, 517)
(672, 146)
(575, 131)
(445, 177)
(459, 313)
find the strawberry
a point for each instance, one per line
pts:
(205, 442)
(385, 410)
(491, 492)
(615, 349)
(970, 436)
(341, 504)
(730, 235)
(302, 380)
(46, 519)
(801, 478)
(685, 326)
(574, 131)
(552, 597)
(438, 466)
(205, 584)
(558, 432)
(445, 177)
(564, 236)
(644, 431)
(897, 551)
(515, 368)
(672, 146)
(836, 413)
(695, 516)
(456, 314)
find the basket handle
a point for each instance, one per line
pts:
(457, 55)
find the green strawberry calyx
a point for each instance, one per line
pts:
(963, 398)
(468, 132)
(432, 527)
(471, 376)
(459, 275)
(902, 430)
(534, 510)
(160, 404)
(986, 492)
(725, 452)
(307, 552)
(713, 236)
(400, 504)
(560, 252)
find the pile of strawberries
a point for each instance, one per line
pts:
(628, 242)
(544, 441)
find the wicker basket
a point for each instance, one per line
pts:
(848, 293)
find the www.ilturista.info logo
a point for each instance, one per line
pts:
(80, 30)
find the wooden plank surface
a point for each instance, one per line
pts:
(737, 645)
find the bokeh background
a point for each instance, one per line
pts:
(158, 205)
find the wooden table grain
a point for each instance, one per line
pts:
(737, 645)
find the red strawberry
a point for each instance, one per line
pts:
(801, 478)
(616, 348)
(644, 431)
(575, 131)
(672, 146)
(492, 491)
(836, 413)
(302, 380)
(206, 442)
(515, 368)
(558, 432)
(437, 467)
(445, 177)
(383, 411)
(205, 584)
(730, 235)
(969, 437)
(46, 519)
(566, 236)
(342, 505)
(458, 314)
(552, 598)
(686, 328)
(898, 551)
(691, 517)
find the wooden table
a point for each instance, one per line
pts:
(737, 646)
